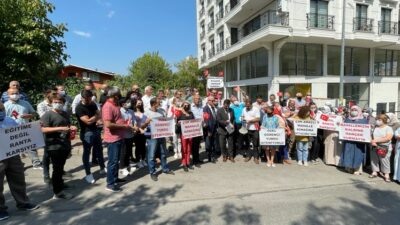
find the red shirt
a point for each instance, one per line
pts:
(111, 112)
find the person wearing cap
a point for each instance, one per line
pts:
(251, 118)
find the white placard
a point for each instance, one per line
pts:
(191, 128)
(355, 132)
(20, 139)
(272, 137)
(162, 127)
(215, 82)
(328, 122)
(305, 128)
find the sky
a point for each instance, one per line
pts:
(109, 34)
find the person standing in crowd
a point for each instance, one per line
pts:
(175, 107)
(14, 85)
(284, 150)
(272, 100)
(13, 169)
(225, 119)
(56, 126)
(285, 99)
(210, 122)
(42, 108)
(164, 100)
(88, 86)
(148, 95)
(185, 114)
(68, 100)
(126, 151)
(396, 175)
(140, 138)
(316, 142)
(251, 118)
(270, 121)
(353, 154)
(114, 131)
(302, 141)
(237, 108)
(381, 148)
(134, 93)
(299, 101)
(292, 107)
(333, 147)
(22, 112)
(103, 95)
(156, 144)
(258, 103)
(219, 99)
(88, 115)
(197, 110)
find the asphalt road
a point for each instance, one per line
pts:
(221, 193)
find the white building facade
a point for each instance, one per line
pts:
(267, 46)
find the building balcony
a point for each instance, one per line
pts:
(363, 24)
(228, 42)
(201, 12)
(220, 47)
(211, 26)
(229, 7)
(219, 16)
(269, 18)
(211, 53)
(388, 27)
(202, 35)
(320, 21)
(203, 58)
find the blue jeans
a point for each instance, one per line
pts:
(152, 146)
(113, 150)
(283, 153)
(302, 150)
(92, 139)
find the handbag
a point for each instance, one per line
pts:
(382, 150)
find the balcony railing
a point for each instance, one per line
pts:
(211, 26)
(203, 58)
(201, 12)
(363, 24)
(211, 53)
(227, 42)
(388, 27)
(270, 17)
(320, 21)
(219, 16)
(202, 35)
(229, 7)
(220, 47)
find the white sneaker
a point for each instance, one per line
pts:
(268, 165)
(273, 165)
(180, 155)
(175, 155)
(124, 172)
(305, 163)
(300, 163)
(89, 178)
(131, 170)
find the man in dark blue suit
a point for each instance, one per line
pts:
(210, 123)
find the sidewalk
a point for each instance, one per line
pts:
(221, 193)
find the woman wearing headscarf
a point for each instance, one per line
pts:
(353, 155)
(333, 147)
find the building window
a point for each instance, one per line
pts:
(251, 26)
(216, 70)
(231, 70)
(71, 74)
(356, 61)
(385, 25)
(256, 90)
(254, 64)
(91, 76)
(301, 59)
(353, 92)
(387, 62)
(319, 13)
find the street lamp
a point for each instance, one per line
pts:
(341, 86)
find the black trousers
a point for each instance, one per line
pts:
(140, 146)
(211, 144)
(223, 138)
(58, 158)
(126, 153)
(195, 149)
(253, 137)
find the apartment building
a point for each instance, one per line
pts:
(267, 46)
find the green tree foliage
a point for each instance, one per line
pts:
(150, 69)
(31, 49)
(188, 74)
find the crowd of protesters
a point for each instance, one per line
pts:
(230, 127)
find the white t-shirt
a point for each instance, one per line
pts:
(256, 105)
(252, 114)
(382, 132)
(146, 101)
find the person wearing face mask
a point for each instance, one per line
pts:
(302, 141)
(22, 112)
(56, 126)
(299, 101)
(197, 110)
(68, 100)
(237, 108)
(381, 148)
(251, 117)
(103, 95)
(13, 169)
(185, 114)
(139, 138)
(225, 120)
(14, 85)
(353, 154)
(88, 115)
(285, 99)
(316, 142)
(270, 121)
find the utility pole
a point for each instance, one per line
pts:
(341, 87)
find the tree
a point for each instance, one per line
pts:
(188, 74)
(31, 49)
(150, 69)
